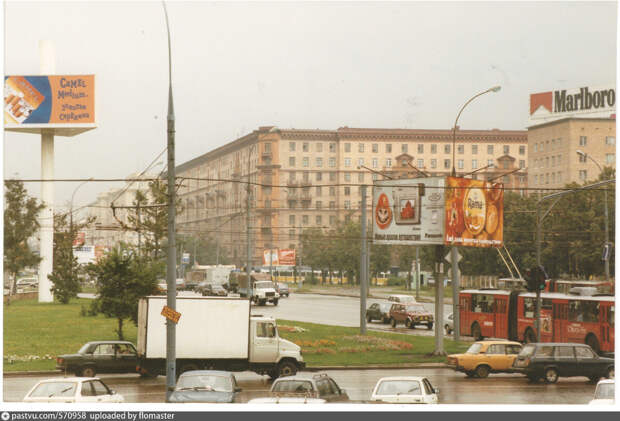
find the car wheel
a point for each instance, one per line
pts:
(88, 372)
(594, 379)
(482, 371)
(551, 375)
(275, 302)
(429, 326)
(529, 336)
(408, 324)
(385, 320)
(611, 374)
(476, 332)
(447, 329)
(286, 368)
(368, 318)
(393, 322)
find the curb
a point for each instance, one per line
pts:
(313, 368)
(376, 297)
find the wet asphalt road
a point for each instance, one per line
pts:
(455, 388)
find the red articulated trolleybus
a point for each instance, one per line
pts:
(495, 313)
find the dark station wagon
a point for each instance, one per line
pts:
(551, 361)
(100, 357)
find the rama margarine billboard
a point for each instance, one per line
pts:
(438, 210)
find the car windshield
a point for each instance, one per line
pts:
(293, 386)
(399, 387)
(416, 307)
(605, 391)
(205, 382)
(474, 349)
(264, 284)
(51, 389)
(527, 350)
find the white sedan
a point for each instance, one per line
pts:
(73, 389)
(404, 390)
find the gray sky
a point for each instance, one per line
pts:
(294, 65)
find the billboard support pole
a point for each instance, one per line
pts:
(417, 273)
(454, 255)
(363, 266)
(439, 252)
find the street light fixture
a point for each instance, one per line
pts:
(586, 156)
(493, 89)
(480, 169)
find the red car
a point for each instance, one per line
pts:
(411, 315)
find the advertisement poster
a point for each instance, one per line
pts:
(63, 100)
(474, 213)
(270, 258)
(287, 257)
(409, 211)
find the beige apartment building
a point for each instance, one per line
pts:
(311, 178)
(553, 146)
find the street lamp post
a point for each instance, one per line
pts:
(586, 156)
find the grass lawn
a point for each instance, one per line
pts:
(35, 333)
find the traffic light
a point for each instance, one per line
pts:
(541, 277)
(536, 278)
(530, 280)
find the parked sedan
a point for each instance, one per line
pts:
(73, 389)
(379, 311)
(208, 386)
(605, 393)
(404, 390)
(100, 357)
(207, 289)
(485, 357)
(551, 361)
(319, 386)
(449, 325)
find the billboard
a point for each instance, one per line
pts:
(587, 101)
(474, 213)
(279, 257)
(57, 101)
(85, 254)
(409, 211)
(270, 258)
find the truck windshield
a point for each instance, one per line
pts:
(264, 284)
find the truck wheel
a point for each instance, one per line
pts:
(393, 322)
(147, 374)
(262, 302)
(88, 372)
(429, 326)
(275, 302)
(408, 324)
(368, 318)
(286, 368)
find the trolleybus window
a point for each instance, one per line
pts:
(583, 311)
(481, 303)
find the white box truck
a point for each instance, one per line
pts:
(214, 333)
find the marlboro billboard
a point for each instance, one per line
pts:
(438, 210)
(474, 213)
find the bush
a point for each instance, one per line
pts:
(394, 281)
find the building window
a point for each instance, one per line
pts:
(434, 148)
(559, 160)
(267, 147)
(347, 162)
(446, 148)
(583, 175)
(583, 140)
(547, 162)
(460, 164)
(347, 191)
(291, 161)
(553, 178)
(332, 219)
(490, 163)
(610, 140)
(388, 148)
(291, 176)
(332, 191)
(291, 219)
(610, 158)
(375, 162)
(347, 147)
(474, 164)
(319, 147)
(347, 204)
(474, 149)
(521, 163)
(553, 144)
(506, 149)
(559, 176)
(420, 148)
(304, 219)
(319, 176)
(360, 161)
(535, 179)
(319, 204)
(319, 162)
(332, 176)
(305, 147)
(332, 162)
(319, 220)
(403, 148)
(388, 162)
(547, 178)
(332, 147)
(506, 179)
(360, 147)
(460, 149)
(553, 161)
(375, 177)
(420, 163)
(347, 176)
(433, 163)
(291, 146)
(291, 233)
(446, 163)
(332, 205)
(582, 158)
(535, 147)
(375, 148)
(522, 150)
(306, 176)
(318, 190)
(360, 177)
(490, 149)
(506, 165)
(305, 162)
(404, 162)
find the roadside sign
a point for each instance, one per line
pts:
(449, 257)
(185, 259)
(170, 314)
(606, 252)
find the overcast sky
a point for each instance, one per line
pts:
(294, 65)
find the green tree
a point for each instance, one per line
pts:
(66, 272)
(20, 223)
(122, 277)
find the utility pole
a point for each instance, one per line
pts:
(301, 278)
(172, 249)
(417, 273)
(456, 282)
(363, 266)
(248, 268)
(439, 255)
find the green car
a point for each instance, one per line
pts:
(100, 357)
(378, 311)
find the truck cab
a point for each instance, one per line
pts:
(268, 348)
(264, 292)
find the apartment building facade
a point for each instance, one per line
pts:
(300, 179)
(553, 146)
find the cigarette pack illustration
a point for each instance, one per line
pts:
(20, 99)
